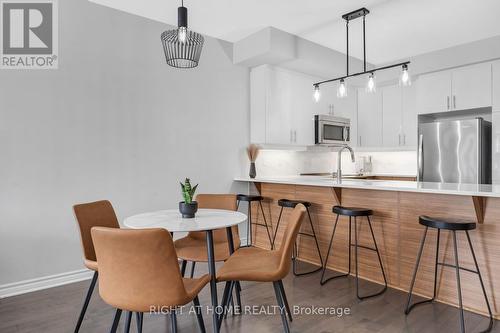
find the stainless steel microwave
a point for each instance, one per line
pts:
(331, 130)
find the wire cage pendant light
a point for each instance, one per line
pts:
(182, 47)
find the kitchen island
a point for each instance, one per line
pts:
(397, 206)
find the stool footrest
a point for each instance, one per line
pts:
(306, 234)
(459, 267)
(262, 225)
(364, 247)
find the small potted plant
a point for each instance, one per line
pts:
(188, 207)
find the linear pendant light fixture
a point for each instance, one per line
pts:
(404, 78)
(182, 46)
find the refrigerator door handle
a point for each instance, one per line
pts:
(420, 157)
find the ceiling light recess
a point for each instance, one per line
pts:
(371, 87)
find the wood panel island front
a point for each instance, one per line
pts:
(396, 206)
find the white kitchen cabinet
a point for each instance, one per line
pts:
(282, 108)
(409, 117)
(433, 92)
(369, 119)
(496, 86)
(496, 148)
(462, 88)
(392, 104)
(471, 87)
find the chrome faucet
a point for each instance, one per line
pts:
(339, 162)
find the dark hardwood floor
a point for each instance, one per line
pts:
(56, 310)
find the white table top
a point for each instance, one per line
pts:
(205, 219)
(385, 185)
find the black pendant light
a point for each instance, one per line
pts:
(182, 46)
(404, 79)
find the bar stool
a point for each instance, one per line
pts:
(354, 212)
(441, 224)
(285, 203)
(251, 198)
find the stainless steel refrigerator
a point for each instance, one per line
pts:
(455, 151)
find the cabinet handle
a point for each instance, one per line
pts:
(360, 141)
(295, 136)
(399, 138)
(448, 102)
(404, 139)
(291, 136)
(454, 101)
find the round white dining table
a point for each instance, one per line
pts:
(205, 220)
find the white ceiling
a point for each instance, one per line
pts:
(396, 29)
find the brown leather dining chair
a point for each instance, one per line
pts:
(259, 265)
(88, 215)
(193, 247)
(139, 272)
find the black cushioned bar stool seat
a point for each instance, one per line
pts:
(353, 213)
(287, 203)
(444, 224)
(249, 197)
(292, 203)
(453, 227)
(254, 198)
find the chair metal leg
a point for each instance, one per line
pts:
(482, 284)
(277, 228)
(294, 258)
(212, 273)
(128, 320)
(86, 302)
(285, 300)
(173, 321)
(379, 261)
(281, 306)
(238, 294)
(228, 300)
(266, 225)
(459, 287)
(183, 267)
(249, 228)
(323, 281)
(192, 269)
(139, 318)
(225, 298)
(417, 264)
(116, 320)
(434, 294)
(199, 314)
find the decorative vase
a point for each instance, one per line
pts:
(253, 172)
(188, 210)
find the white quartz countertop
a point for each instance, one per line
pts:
(384, 185)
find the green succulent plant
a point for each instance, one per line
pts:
(188, 191)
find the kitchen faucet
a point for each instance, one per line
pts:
(339, 161)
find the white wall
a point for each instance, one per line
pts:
(114, 122)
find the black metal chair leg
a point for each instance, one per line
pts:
(322, 281)
(225, 299)
(379, 261)
(238, 295)
(116, 320)
(490, 326)
(277, 228)
(434, 294)
(417, 264)
(86, 302)
(225, 304)
(199, 314)
(459, 287)
(128, 320)
(281, 306)
(267, 226)
(249, 228)
(192, 269)
(294, 258)
(285, 300)
(183, 267)
(173, 321)
(139, 317)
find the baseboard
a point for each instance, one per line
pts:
(27, 286)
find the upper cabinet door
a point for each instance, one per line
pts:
(369, 119)
(392, 111)
(496, 86)
(471, 87)
(434, 93)
(410, 115)
(280, 100)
